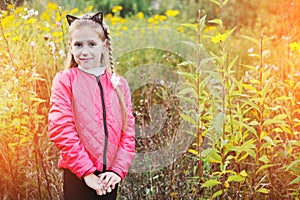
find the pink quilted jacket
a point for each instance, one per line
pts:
(85, 123)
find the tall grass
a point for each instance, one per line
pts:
(242, 93)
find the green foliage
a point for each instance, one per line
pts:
(242, 88)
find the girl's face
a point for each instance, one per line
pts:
(86, 47)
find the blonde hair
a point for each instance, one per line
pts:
(106, 59)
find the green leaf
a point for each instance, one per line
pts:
(293, 164)
(267, 86)
(216, 2)
(253, 105)
(252, 153)
(202, 21)
(232, 63)
(249, 128)
(265, 167)
(216, 158)
(216, 21)
(191, 44)
(269, 140)
(243, 173)
(37, 100)
(218, 122)
(216, 194)
(264, 159)
(192, 26)
(295, 181)
(236, 178)
(281, 116)
(251, 39)
(206, 60)
(188, 75)
(187, 91)
(184, 63)
(192, 151)
(212, 155)
(225, 2)
(263, 190)
(188, 119)
(211, 183)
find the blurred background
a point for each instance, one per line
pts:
(215, 92)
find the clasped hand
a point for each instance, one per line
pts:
(103, 183)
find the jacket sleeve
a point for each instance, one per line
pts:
(62, 129)
(126, 148)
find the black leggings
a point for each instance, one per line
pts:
(76, 189)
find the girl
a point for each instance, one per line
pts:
(90, 117)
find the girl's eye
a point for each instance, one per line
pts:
(92, 44)
(77, 44)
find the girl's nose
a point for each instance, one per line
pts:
(84, 52)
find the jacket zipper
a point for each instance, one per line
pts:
(104, 123)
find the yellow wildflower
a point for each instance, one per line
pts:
(210, 28)
(6, 35)
(57, 17)
(8, 21)
(219, 38)
(115, 20)
(4, 13)
(124, 28)
(140, 15)
(89, 8)
(20, 10)
(31, 21)
(162, 18)
(57, 34)
(117, 8)
(45, 29)
(73, 11)
(16, 38)
(10, 7)
(45, 16)
(180, 29)
(108, 16)
(156, 17)
(52, 6)
(295, 46)
(172, 13)
(123, 20)
(152, 20)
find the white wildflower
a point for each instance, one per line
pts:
(250, 50)
(115, 80)
(62, 53)
(32, 43)
(52, 45)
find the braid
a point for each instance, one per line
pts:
(111, 59)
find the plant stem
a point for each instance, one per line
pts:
(7, 46)
(199, 134)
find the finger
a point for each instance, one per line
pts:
(112, 186)
(113, 182)
(102, 177)
(100, 191)
(109, 190)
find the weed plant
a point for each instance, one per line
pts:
(240, 84)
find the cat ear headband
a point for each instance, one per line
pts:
(98, 18)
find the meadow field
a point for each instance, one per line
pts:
(215, 91)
